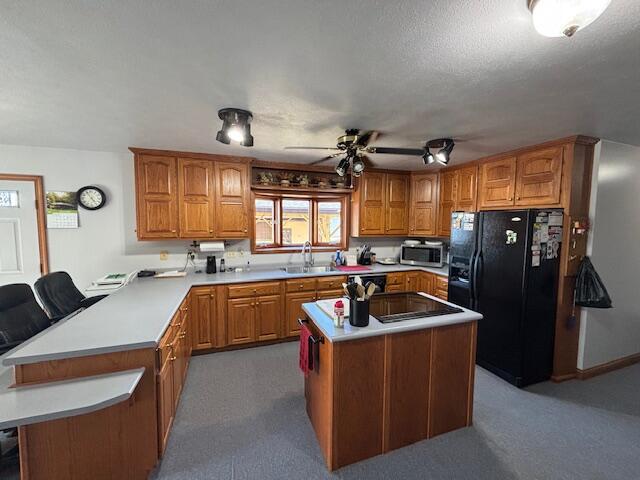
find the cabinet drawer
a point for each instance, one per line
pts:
(442, 283)
(251, 289)
(396, 278)
(331, 283)
(167, 342)
(301, 285)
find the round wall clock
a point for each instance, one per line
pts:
(91, 197)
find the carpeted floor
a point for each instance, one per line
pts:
(242, 416)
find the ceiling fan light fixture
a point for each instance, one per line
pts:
(236, 127)
(428, 157)
(357, 167)
(343, 166)
(557, 18)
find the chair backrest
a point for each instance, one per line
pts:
(58, 294)
(20, 315)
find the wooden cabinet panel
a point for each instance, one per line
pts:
(397, 204)
(372, 208)
(441, 287)
(203, 317)
(331, 283)
(324, 294)
(466, 189)
(165, 404)
(447, 202)
(497, 183)
(539, 177)
(268, 317)
(396, 278)
(195, 198)
(451, 377)
(251, 289)
(301, 285)
(427, 283)
(241, 321)
(413, 281)
(157, 203)
(423, 204)
(232, 200)
(293, 310)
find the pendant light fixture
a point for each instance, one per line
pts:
(555, 18)
(236, 127)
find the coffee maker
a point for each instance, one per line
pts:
(211, 264)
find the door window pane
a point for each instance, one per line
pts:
(10, 254)
(8, 198)
(329, 222)
(265, 222)
(296, 220)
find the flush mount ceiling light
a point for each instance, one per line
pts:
(236, 127)
(555, 18)
(444, 144)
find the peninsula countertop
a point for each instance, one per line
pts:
(137, 315)
(337, 334)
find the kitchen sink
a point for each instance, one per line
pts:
(311, 269)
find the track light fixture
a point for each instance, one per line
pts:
(343, 166)
(236, 127)
(444, 144)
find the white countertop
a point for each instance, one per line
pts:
(336, 334)
(51, 401)
(136, 316)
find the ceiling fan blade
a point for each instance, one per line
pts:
(329, 157)
(396, 151)
(311, 148)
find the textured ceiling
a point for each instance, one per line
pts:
(113, 74)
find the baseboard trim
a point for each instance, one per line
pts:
(563, 378)
(608, 367)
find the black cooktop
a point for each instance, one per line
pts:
(395, 307)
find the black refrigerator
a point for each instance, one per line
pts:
(504, 265)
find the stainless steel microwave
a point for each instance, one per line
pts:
(422, 255)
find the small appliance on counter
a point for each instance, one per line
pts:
(365, 255)
(429, 254)
(211, 264)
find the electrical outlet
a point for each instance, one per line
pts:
(164, 255)
(232, 254)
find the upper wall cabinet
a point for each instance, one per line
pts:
(528, 180)
(380, 205)
(157, 197)
(457, 193)
(198, 197)
(423, 204)
(232, 199)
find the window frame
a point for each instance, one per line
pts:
(314, 198)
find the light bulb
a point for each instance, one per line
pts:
(235, 133)
(555, 18)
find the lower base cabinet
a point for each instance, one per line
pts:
(294, 310)
(254, 319)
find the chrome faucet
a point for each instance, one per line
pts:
(307, 263)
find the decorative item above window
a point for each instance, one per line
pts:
(269, 179)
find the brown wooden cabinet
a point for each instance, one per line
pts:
(442, 287)
(232, 200)
(241, 321)
(423, 205)
(204, 315)
(457, 193)
(195, 198)
(539, 177)
(530, 179)
(380, 204)
(427, 283)
(497, 183)
(165, 402)
(191, 196)
(294, 310)
(268, 317)
(412, 281)
(254, 312)
(157, 203)
(396, 204)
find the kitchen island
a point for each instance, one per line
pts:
(381, 387)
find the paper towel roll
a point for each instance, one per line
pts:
(212, 246)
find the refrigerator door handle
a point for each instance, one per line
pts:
(476, 276)
(472, 281)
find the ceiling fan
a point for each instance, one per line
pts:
(354, 145)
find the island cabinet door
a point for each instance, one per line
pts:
(268, 316)
(453, 357)
(241, 320)
(293, 310)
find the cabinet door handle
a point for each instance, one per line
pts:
(173, 231)
(210, 231)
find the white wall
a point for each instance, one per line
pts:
(614, 249)
(106, 240)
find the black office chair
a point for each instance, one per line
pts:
(59, 295)
(21, 317)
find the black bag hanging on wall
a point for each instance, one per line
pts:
(590, 291)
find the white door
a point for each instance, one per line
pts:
(19, 252)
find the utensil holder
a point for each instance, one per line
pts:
(359, 313)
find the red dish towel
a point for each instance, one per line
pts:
(353, 268)
(305, 354)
